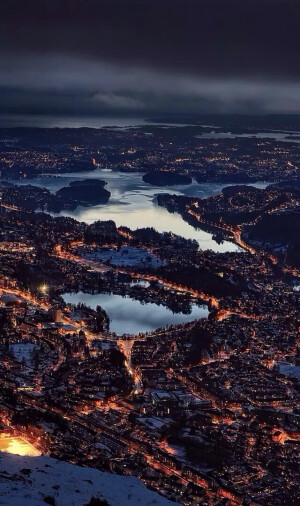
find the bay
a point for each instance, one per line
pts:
(133, 204)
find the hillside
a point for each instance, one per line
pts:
(32, 481)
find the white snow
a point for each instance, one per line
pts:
(290, 370)
(23, 352)
(68, 484)
(126, 255)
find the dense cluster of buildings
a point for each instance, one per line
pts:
(194, 149)
(204, 412)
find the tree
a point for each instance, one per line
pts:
(95, 501)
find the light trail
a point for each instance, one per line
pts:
(236, 233)
(101, 268)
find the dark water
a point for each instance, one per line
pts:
(129, 316)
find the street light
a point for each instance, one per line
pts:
(44, 288)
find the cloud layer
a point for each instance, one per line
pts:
(108, 56)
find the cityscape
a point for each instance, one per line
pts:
(149, 257)
(200, 409)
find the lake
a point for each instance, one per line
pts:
(133, 204)
(129, 316)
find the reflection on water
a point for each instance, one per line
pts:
(133, 204)
(129, 316)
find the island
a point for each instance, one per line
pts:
(86, 192)
(166, 178)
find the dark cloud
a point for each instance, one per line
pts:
(209, 37)
(149, 55)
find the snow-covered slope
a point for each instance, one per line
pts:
(27, 481)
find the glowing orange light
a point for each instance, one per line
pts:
(17, 446)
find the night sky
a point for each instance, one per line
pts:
(143, 57)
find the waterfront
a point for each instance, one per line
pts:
(133, 204)
(177, 393)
